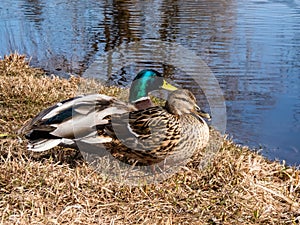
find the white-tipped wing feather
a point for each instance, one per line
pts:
(74, 120)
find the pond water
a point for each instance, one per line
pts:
(251, 46)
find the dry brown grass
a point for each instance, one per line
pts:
(238, 187)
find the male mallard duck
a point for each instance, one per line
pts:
(129, 133)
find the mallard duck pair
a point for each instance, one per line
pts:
(133, 132)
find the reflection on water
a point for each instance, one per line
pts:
(252, 47)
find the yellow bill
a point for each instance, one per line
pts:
(168, 86)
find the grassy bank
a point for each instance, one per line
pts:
(58, 187)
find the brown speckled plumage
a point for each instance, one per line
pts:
(155, 133)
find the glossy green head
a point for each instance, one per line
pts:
(146, 81)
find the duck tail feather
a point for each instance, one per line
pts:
(43, 145)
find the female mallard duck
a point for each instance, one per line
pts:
(145, 136)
